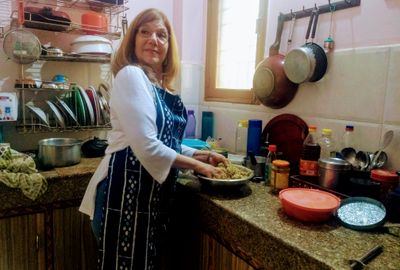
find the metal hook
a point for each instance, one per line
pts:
(307, 11)
(348, 2)
(293, 14)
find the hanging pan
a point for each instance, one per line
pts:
(309, 62)
(270, 84)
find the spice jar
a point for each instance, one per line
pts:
(279, 175)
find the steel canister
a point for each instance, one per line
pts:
(333, 172)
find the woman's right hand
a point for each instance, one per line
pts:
(207, 170)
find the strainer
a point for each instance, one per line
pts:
(22, 46)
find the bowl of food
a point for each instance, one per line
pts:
(232, 175)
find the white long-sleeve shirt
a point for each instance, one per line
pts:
(133, 120)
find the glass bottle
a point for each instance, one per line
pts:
(308, 165)
(279, 175)
(327, 144)
(241, 137)
(190, 130)
(268, 163)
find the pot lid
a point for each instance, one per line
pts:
(310, 199)
(384, 175)
(334, 164)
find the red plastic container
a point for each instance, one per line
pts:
(389, 180)
(309, 205)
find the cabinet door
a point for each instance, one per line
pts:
(74, 245)
(22, 243)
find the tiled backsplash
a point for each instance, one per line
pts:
(361, 87)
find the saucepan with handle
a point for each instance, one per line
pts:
(309, 62)
(270, 84)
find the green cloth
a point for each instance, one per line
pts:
(19, 171)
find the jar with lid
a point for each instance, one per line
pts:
(279, 175)
(389, 181)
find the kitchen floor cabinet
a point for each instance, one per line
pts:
(59, 239)
(22, 245)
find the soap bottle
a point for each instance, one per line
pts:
(190, 130)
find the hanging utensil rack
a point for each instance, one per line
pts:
(339, 5)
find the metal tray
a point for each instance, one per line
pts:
(227, 182)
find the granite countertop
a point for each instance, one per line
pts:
(248, 220)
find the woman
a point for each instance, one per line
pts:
(129, 195)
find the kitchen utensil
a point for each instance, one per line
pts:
(22, 46)
(80, 110)
(333, 172)
(362, 160)
(309, 205)
(94, 147)
(57, 114)
(59, 152)
(94, 23)
(387, 138)
(329, 43)
(270, 84)
(362, 214)
(287, 132)
(39, 113)
(53, 51)
(90, 44)
(309, 62)
(349, 154)
(46, 18)
(358, 264)
(68, 111)
(227, 182)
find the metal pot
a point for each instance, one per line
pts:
(90, 44)
(59, 152)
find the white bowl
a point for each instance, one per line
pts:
(89, 44)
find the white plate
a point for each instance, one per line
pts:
(88, 104)
(67, 110)
(38, 112)
(57, 113)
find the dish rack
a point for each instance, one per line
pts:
(51, 110)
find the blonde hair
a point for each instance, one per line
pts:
(125, 54)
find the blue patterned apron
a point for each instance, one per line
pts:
(135, 207)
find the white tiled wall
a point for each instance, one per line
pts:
(361, 87)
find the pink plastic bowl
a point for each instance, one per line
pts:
(309, 205)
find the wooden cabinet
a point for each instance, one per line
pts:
(59, 239)
(74, 245)
(22, 242)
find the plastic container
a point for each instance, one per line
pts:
(327, 144)
(190, 130)
(308, 165)
(279, 175)
(207, 125)
(241, 137)
(348, 140)
(389, 181)
(254, 136)
(309, 205)
(268, 163)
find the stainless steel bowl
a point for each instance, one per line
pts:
(59, 152)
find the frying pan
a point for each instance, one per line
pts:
(270, 84)
(309, 62)
(362, 214)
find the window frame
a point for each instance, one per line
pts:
(211, 92)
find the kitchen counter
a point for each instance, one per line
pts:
(249, 221)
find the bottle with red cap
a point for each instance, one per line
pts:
(268, 162)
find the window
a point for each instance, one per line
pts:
(235, 44)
